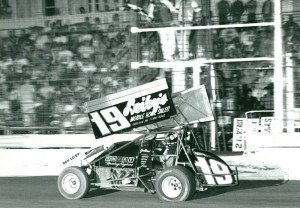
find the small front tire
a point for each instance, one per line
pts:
(175, 184)
(73, 183)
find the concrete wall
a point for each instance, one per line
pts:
(271, 157)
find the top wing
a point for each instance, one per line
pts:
(132, 108)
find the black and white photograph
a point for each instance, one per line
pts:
(149, 103)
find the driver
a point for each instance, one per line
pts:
(170, 142)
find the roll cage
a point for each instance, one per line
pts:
(183, 155)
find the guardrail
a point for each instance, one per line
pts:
(20, 130)
(7, 130)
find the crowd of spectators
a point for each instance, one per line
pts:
(238, 81)
(234, 11)
(227, 42)
(242, 87)
(47, 73)
(5, 10)
(243, 43)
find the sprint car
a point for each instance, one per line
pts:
(164, 156)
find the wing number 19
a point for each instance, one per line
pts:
(109, 119)
(214, 171)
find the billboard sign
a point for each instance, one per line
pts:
(132, 108)
(239, 134)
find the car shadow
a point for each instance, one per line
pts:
(96, 192)
(210, 192)
(243, 185)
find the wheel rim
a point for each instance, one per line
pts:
(70, 183)
(171, 187)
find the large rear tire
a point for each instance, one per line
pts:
(73, 183)
(175, 184)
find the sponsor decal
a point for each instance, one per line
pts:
(133, 113)
(119, 161)
(71, 159)
(94, 151)
(152, 105)
(144, 157)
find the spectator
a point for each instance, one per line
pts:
(237, 10)
(291, 24)
(27, 94)
(85, 50)
(186, 11)
(88, 66)
(109, 5)
(116, 5)
(46, 91)
(291, 36)
(20, 61)
(223, 11)
(218, 45)
(264, 44)
(86, 26)
(15, 105)
(97, 24)
(163, 12)
(114, 46)
(251, 6)
(43, 112)
(3, 86)
(13, 75)
(248, 38)
(4, 109)
(5, 10)
(268, 10)
(116, 21)
(231, 43)
(76, 72)
(23, 37)
(44, 104)
(64, 56)
(100, 7)
(26, 71)
(6, 62)
(111, 31)
(41, 41)
(248, 102)
(267, 100)
(97, 43)
(82, 10)
(47, 27)
(229, 102)
(11, 39)
(74, 41)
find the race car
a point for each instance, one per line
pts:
(164, 156)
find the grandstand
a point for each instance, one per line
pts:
(57, 55)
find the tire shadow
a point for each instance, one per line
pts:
(243, 185)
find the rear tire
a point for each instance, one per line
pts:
(175, 184)
(73, 183)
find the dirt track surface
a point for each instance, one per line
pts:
(39, 192)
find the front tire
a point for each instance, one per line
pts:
(73, 183)
(175, 184)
